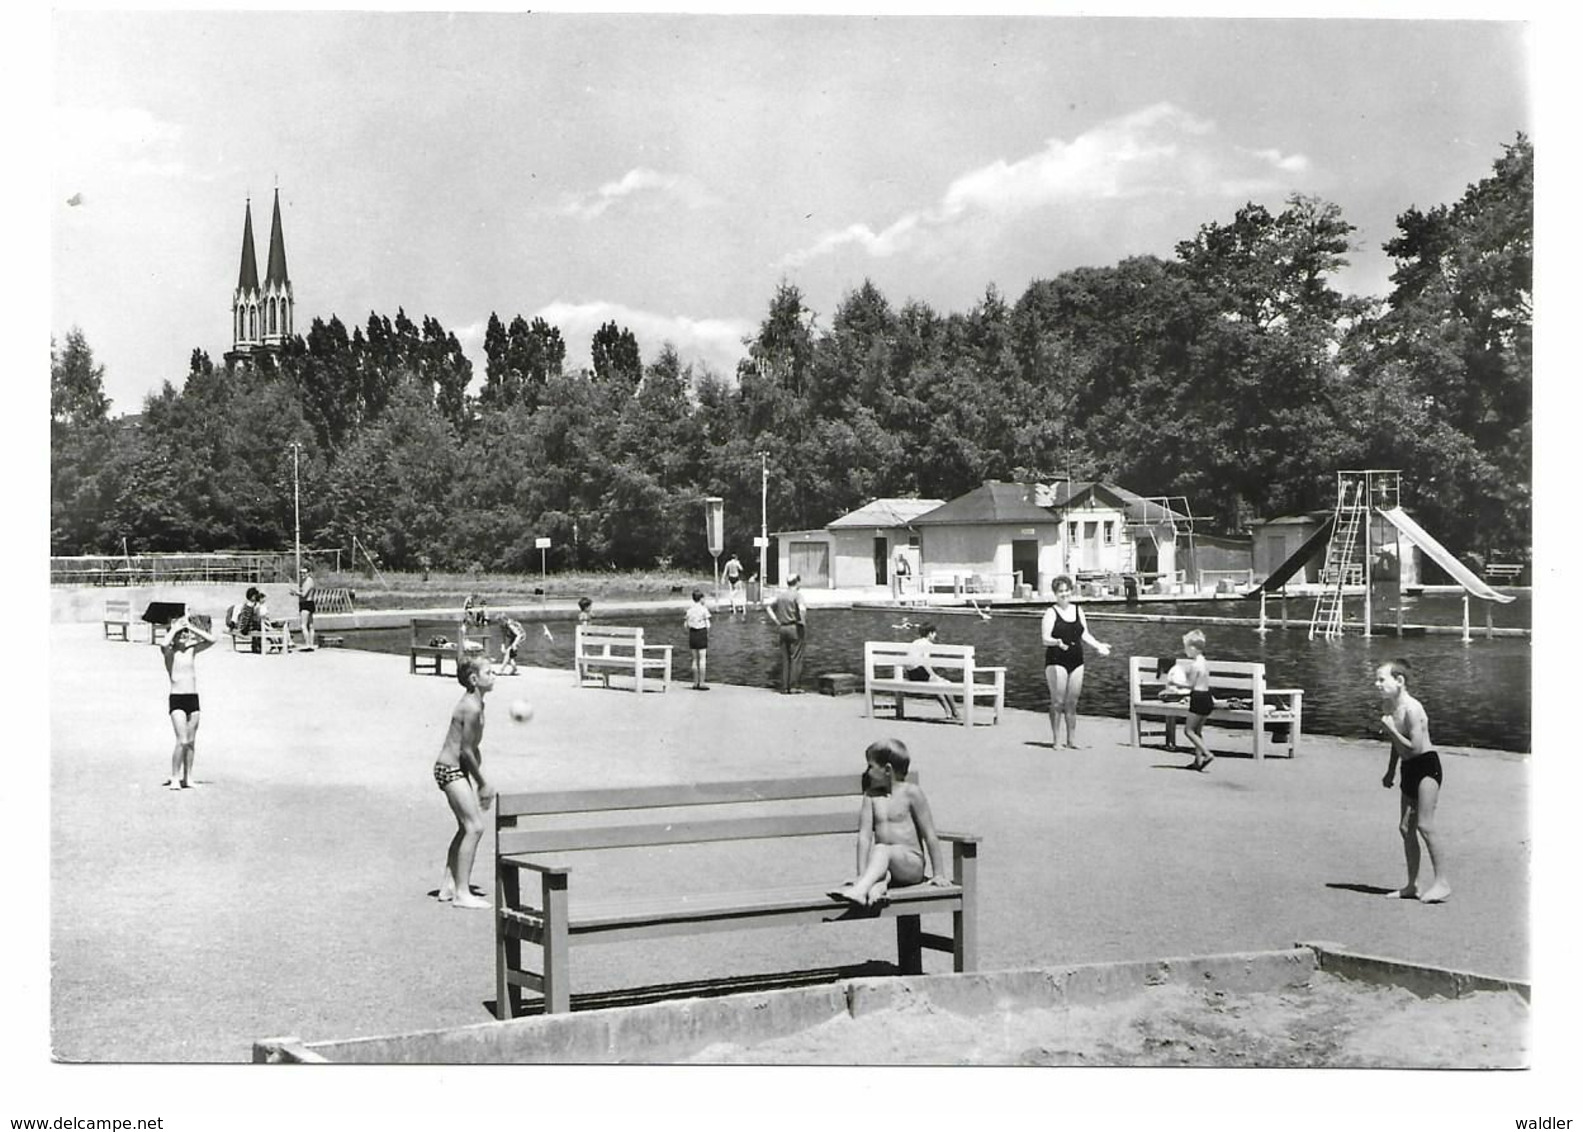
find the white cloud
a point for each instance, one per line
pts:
(638, 184)
(115, 143)
(710, 341)
(1157, 151)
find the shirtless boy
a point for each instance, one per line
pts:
(1200, 702)
(458, 772)
(181, 648)
(894, 826)
(1407, 726)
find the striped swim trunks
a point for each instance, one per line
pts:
(445, 774)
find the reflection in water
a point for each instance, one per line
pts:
(1477, 694)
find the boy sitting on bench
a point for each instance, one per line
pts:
(894, 826)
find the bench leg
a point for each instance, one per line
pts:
(557, 972)
(508, 948)
(964, 924)
(909, 944)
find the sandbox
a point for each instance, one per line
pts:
(1315, 1005)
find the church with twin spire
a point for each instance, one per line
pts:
(262, 317)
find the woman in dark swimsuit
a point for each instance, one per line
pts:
(1064, 632)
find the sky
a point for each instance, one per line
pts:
(667, 172)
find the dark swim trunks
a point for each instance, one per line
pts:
(1418, 768)
(697, 638)
(184, 701)
(306, 605)
(920, 674)
(445, 774)
(1201, 703)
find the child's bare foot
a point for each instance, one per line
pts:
(171, 784)
(469, 901)
(445, 895)
(879, 893)
(849, 893)
(1437, 893)
(1408, 893)
(1203, 763)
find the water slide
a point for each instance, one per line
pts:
(1442, 557)
(1315, 545)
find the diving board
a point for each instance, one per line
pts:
(1442, 557)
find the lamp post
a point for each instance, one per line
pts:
(764, 529)
(296, 509)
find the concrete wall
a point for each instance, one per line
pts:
(86, 603)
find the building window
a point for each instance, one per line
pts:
(1071, 532)
(1110, 532)
(252, 324)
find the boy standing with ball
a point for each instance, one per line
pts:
(459, 774)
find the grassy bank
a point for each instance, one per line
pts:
(395, 590)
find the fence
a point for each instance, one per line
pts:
(255, 567)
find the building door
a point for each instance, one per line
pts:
(812, 561)
(881, 560)
(1025, 560)
(1090, 555)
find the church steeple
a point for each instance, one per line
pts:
(277, 286)
(261, 317)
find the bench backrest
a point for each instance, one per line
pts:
(118, 610)
(606, 637)
(1241, 678)
(641, 816)
(881, 653)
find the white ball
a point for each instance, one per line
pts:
(521, 710)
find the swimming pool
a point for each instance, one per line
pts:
(1477, 693)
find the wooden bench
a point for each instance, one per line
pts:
(1503, 573)
(531, 827)
(431, 658)
(605, 649)
(884, 673)
(1252, 702)
(118, 619)
(277, 638)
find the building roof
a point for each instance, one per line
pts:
(1137, 508)
(1308, 518)
(885, 513)
(247, 278)
(277, 250)
(990, 502)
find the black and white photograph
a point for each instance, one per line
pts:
(793, 565)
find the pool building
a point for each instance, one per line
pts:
(1008, 539)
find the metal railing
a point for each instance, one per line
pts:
(255, 567)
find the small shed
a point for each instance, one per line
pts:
(864, 543)
(1275, 540)
(989, 539)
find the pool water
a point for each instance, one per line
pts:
(1477, 693)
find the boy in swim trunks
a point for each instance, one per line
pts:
(459, 774)
(1407, 726)
(514, 633)
(697, 622)
(181, 648)
(894, 827)
(1199, 700)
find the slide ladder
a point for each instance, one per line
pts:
(1340, 563)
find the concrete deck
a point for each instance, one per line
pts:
(288, 892)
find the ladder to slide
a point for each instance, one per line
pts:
(1341, 563)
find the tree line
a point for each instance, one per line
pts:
(1234, 374)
